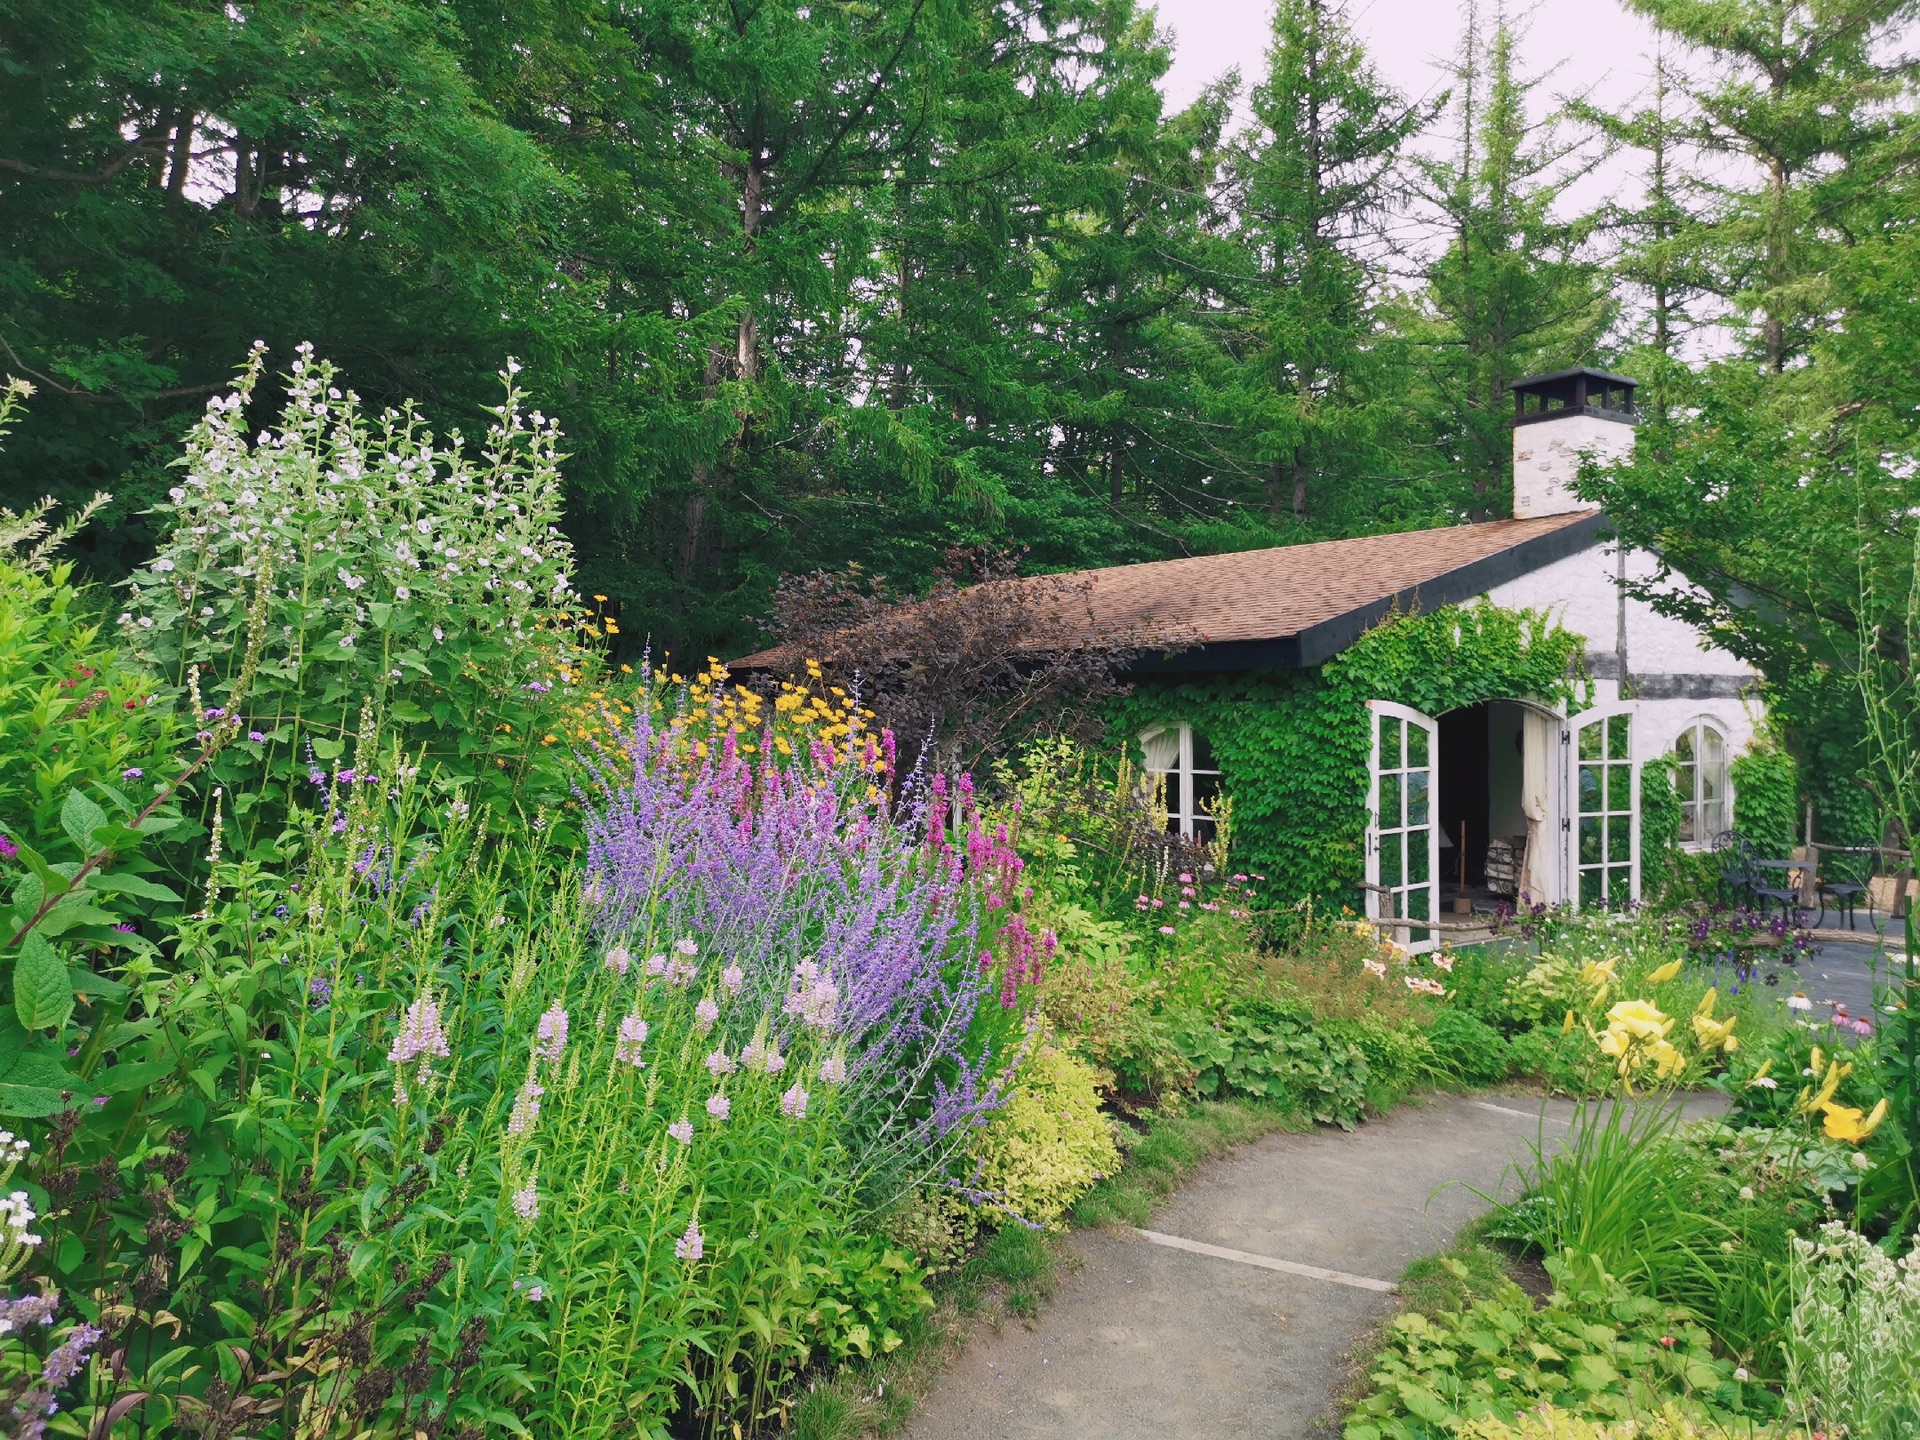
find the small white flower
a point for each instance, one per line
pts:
(346, 642)
(176, 494)
(1740, 1373)
(401, 592)
(1746, 1192)
(146, 622)
(163, 564)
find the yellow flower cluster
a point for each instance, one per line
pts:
(1842, 1122)
(1636, 1035)
(714, 708)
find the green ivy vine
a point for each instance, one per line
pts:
(1292, 745)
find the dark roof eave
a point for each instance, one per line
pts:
(1320, 643)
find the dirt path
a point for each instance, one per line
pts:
(1233, 1315)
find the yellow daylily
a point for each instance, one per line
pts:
(1640, 1019)
(1711, 1033)
(1844, 1122)
(1665, 973)
(1836, 1072)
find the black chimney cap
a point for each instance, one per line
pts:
(1552, 396)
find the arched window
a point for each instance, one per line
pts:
(1700, 764)
(1193, 780)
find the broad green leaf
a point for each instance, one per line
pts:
(70, 914)
(29, 1101)
(80, 817)
(131, 1075)
(326, 747)
(85, 982)
(133, 885)
(42, 994)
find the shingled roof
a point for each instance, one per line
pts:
(1295, 605)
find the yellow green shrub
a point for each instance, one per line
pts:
(1049, 1142)
(1550, 1423)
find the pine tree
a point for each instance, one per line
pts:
(1315, 177)
(1516, 291)
(1799, 93)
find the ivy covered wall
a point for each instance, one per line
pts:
(1292, 745)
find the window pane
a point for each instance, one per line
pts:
(1683, 748)
(1161, 749)
(1589, 839)
(1390, 752)
(1203, 829)
(1417, 856)
(1202, 753)
(1713, 746)
(1206, 793)
(1713, 819)
(1590, 742)
(1391, 817)
(1416, 745)
(1590, 789)
(1619, 787)
(1417, 796)
(1617, 737)
(1688, 834)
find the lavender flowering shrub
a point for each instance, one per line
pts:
(811, 901)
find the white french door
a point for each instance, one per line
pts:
(1601, 809)
(1403, 842)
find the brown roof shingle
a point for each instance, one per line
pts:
(1292, 591)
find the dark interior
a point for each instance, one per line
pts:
(1462, 803)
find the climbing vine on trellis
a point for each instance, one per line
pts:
(1292, 745)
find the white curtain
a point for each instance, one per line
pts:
(1535, 752)
(1162, 750)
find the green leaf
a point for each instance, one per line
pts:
(42, 994)
(326, 747)
(133, 885)
(85, 982)
(29, 1101)
(80, 817)
(131, 1075)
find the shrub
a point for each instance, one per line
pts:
(377, 566)
(1272, 1051)
(1853, 1343)
(1551, 1423)
(1469, 1049)
(1048, 1144)
(1100, 1011)
(1766, 797)
(1596, 1349)
(1397, 1059)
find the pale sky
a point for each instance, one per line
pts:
(1589, 46)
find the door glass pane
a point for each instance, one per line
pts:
(1391, 871)
(1416, 746)
(1590, 742)
(1589, 789)
(1589, 839)
(1417, 797)
(1589, 889)
(1620, 788)
(1416, 901)
(1619, 887)
(1617, 744)
(1390, 755)
(1391, 817)
(1418, 856)
(1619, 839)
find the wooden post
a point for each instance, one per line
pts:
(1810, 877)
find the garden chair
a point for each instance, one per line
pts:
(1851, 883)
(1736, 865)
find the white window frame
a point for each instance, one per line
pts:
(1182, 809)
(1691, 803)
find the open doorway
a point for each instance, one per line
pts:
(1483, 821)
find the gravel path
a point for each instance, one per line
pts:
(1146, 1341)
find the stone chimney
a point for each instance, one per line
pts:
(1557, 418)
